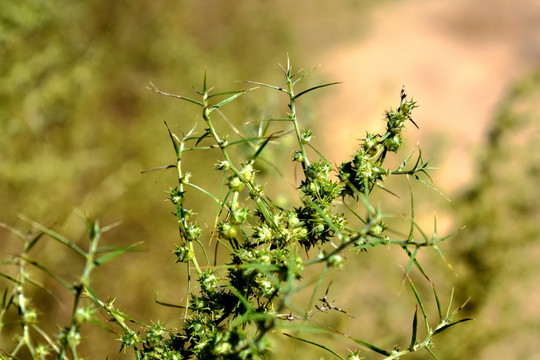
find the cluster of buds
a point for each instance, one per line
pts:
(318, 184)
(395, 123)
(365, 169)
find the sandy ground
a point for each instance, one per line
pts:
(456, 58)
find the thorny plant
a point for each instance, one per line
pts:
(229, 313)
(33, 339)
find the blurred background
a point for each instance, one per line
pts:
(77, 127)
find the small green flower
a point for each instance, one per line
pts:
(29, 316)
(226, 230)
(336, 261)
(176, 196)
(371, 144)
(265, 286)
(224, 142)
(395, 122)
(377, 229)
(223, 165)
(154, 335)
(41, 352)
(354, 355)
(69, 337)
(318, 184)
(393, 143)
(193, 232)
(239, 216)
(222, 348)
(209, 281)
(235, 184)
(83, 315)
(184, 253)
(318, 229)
(129, 339)
(186, 213)
(248, 172)
(263, 255)
(257, 192)
(306, 136)
(263, 233)
(185, 179)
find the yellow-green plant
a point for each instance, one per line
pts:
(235, 300)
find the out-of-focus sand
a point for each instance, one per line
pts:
(455, 57)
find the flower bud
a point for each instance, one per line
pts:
(248, 172)
(226, 231)
(298, 157)
(336, 261)
(223, 165)
(235, 184)
(393, 143)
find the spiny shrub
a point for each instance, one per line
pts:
(234, 301)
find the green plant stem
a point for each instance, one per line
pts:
(262, 205)
(22, 303)
(293, 116)
(179, 148)
(294, 119)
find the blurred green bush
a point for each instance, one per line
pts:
(496, 256)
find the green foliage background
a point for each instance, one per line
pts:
(77, 127)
